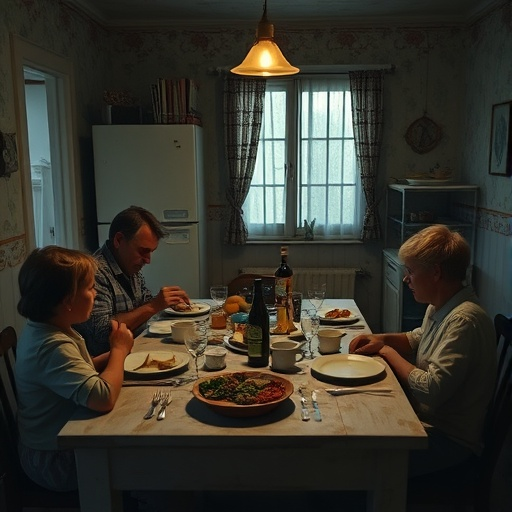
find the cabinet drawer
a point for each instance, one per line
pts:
(394, 273)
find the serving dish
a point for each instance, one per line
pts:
(347, 369)
(198, 308)
(135, 359)
(227, 408)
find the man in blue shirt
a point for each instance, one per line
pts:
(121, 290)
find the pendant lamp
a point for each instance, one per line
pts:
(265, 58)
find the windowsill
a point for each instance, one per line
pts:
(303, 242)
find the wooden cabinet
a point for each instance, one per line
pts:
(408, 210)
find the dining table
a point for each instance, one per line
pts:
(362, 442)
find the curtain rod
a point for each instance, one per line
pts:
(335, 69)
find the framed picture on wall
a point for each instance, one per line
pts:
(500, 157)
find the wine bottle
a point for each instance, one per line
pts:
(283, 292)
(257, 331)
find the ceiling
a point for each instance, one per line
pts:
(140, 13)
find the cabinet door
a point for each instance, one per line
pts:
(391, 308)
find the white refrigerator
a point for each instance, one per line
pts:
(158, 167)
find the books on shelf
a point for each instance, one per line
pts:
(175, 101)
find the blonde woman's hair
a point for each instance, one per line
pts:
(48, 276)
(438, 245)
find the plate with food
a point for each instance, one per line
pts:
(347, 369)
(243, 394)
(338, 316)
(182, 309)
(154, 363)
(236, 343)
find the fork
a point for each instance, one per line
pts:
(304, 413)
(154, 402)
(164, 402)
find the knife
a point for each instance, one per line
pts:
(318, 414)
(345, 391)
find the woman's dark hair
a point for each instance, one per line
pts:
(129, 221)
(48, 276)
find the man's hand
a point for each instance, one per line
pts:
(170, 296)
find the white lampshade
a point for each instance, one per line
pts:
(265, 57)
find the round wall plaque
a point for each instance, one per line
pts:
(423, 135)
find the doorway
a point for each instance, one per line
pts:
(44, 88)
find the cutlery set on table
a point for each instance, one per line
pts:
(159, 401)
(304, 413)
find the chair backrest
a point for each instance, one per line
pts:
(8, 341)
(9, 464)
(499, 418)
(17, 491)
(242, 285)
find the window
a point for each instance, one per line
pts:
(306, 163)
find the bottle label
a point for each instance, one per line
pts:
(283, 286)
(254, 340)
(280, 286)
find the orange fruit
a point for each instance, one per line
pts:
(231, 307)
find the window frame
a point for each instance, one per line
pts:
(292, 86)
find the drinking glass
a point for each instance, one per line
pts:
(219, 294)
(196, 341)
(309, 323)
(316, 296)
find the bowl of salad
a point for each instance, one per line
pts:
(242, 394)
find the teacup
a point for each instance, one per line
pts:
(329, 341)
(284, 355)
(180, 329)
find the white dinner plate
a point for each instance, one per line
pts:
(343, 320)
(350, 368)
(135, 359)
(198, 308)
(234, 348)
(161, 327)
(427, 182)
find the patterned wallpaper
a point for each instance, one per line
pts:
(45, 24)
(438, 71)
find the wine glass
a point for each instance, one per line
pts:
(219, 294)
(309, 323)
(316, 296)
(196, 341)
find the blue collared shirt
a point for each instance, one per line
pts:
(115, 293)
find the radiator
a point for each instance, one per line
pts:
(340, 282)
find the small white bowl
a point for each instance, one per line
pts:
(329, 340)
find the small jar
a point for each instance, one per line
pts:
(218, 319)
(215, 358)
(239, 324)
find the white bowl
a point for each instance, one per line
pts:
(329, 340)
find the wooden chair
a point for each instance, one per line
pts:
(16, 490)
(467, 487)
(242, 285)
